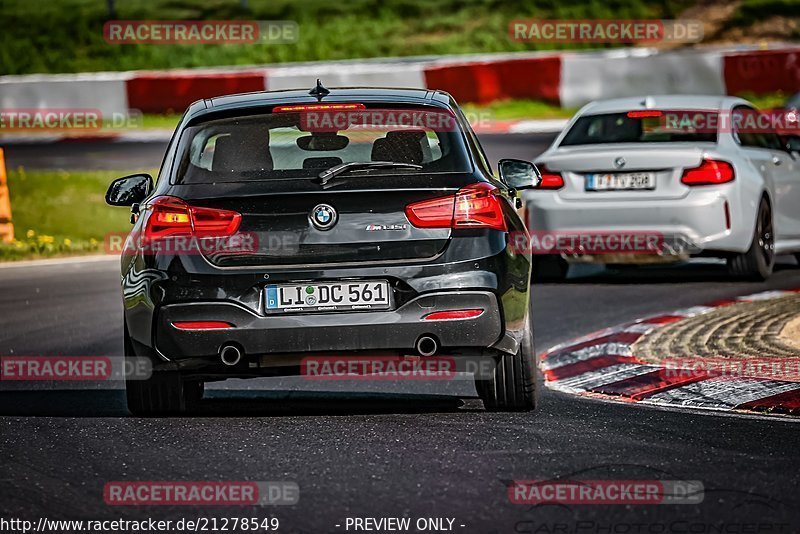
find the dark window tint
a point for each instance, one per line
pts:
(621, 128)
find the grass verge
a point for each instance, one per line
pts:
(58, 213)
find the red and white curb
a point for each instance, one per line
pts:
(602, 364)
(568, 79)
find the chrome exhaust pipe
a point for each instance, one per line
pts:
(230, 355)
(426, 346)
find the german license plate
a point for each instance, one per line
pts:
(621, 181)
(339, 296)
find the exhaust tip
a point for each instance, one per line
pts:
(426, 345)
(230, 355)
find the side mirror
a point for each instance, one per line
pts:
(519, 174)
(129, 190)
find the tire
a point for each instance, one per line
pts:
(165, 392)
(759, 260)
(512, 387)
(549, 268)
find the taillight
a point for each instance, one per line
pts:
(479, 206)
(432, 213)
(201, 325)
(452, 315)
(474, 206)
(550, 179)
(710, 172)
(171, 216)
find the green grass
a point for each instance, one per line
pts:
(757, 10)
(766, 101)
(169, 122)
(67, 36)
(61, 213)
(517, 109)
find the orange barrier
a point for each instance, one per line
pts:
(6, 226)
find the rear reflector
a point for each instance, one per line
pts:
(201, 325)
(550, 179)
(452, 314)
(474, 206)
(710, 172)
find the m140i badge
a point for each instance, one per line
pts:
(385, 227)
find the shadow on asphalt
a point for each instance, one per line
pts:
(217, 403)
(663, 274)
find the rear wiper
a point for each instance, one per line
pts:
(327, 175)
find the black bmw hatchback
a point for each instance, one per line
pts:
(334, 223)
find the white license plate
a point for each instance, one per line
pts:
(338, 296)
(620, 181)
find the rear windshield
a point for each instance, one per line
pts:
(290, 145)
(631, 127)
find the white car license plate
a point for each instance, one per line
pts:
(339, 296)
(620, 182)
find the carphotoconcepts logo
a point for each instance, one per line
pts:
(700, 367)
(203, 493)
(73, 368)
(201, 31)
(620, 31)
(606, 492)
(378, 368)
(590, 242)
(238, 244)
(66, 119)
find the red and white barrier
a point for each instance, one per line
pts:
(173, 91)
(633, 71)
(103, 91)
(566, 78)
(372, 74)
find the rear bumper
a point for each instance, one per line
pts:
(397, 329)
(689, 225)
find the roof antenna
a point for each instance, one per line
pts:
(319, 91)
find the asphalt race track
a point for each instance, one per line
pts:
(416, 449)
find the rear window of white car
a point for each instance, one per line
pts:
(631, 127)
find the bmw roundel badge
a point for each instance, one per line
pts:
(323, 216)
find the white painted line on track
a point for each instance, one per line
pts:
(71, 260)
